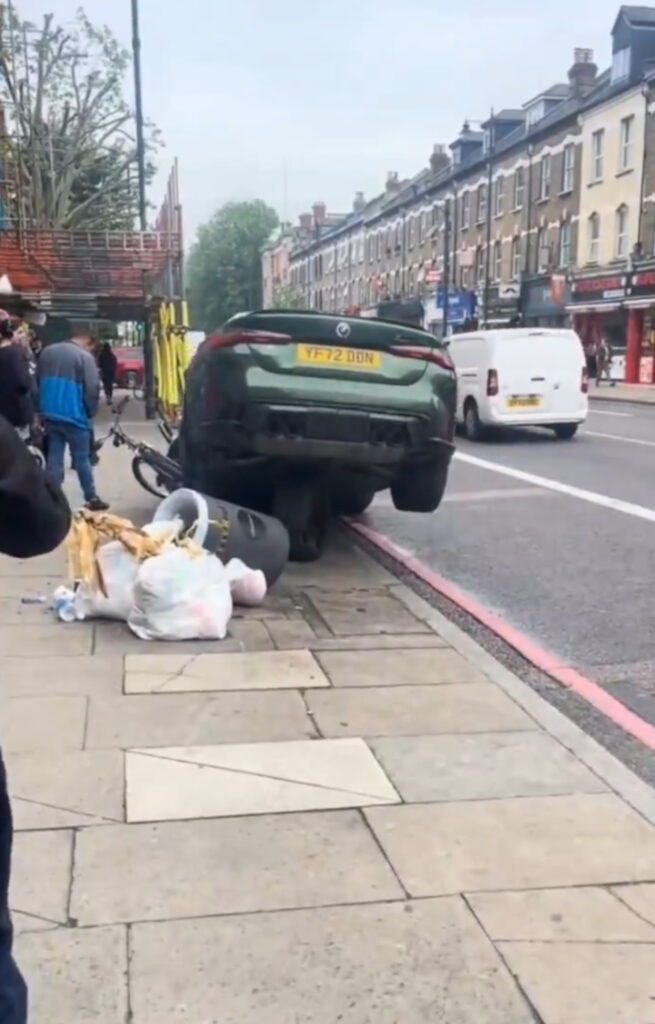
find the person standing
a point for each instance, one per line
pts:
(69, 393)
(16, 381)
(108, 364)
(603, 361)
(34, 519)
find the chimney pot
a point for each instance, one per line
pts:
(582, 76)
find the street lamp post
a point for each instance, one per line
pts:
(148, 361)
(487, 255)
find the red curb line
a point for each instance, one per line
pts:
(538, 656)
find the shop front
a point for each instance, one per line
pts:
(598, 309)
(544, 301)
(640, 360)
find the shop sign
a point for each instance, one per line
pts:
(643, 283)
(599, 288)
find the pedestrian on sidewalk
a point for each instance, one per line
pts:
(604, 362)
(108, 364)
(34, 519)
(69, 394)
(16, 382)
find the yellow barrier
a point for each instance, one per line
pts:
(171, 354)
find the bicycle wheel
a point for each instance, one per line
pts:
(147, 476)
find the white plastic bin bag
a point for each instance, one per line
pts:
(178, 596)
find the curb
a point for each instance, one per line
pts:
(630, 787)
(623, 400)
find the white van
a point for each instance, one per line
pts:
(521, 377)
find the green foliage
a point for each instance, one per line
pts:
(224, 267)
(288, 297)
(69, 152)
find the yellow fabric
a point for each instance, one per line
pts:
(91, 529)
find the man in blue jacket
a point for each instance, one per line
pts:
(69, 393)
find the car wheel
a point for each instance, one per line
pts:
(131, 380)
(303, 509)
(420, 488)
(566, 431)
(472, 425)
(352, 501)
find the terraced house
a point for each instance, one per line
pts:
(539, 204)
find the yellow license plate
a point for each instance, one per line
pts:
(340, 358)
(523, 402)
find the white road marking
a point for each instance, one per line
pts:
(495, 493)
(606, 412)
(617, 437)
(603, 500)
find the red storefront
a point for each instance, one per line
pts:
(619, 306)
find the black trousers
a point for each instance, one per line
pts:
(13, 991)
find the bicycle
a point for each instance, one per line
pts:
(147, 460)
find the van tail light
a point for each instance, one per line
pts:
(230, 338)
(438, 356)
(492, 383)
(584, 382)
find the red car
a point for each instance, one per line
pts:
(129, 372)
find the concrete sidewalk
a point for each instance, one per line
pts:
(641, 394)
(345, 812)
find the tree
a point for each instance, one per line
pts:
(288, 297)
(68, 146)
(224, 267)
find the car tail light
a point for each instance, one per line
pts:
(492, 383)
(584, 382)
(228, 338)
(429, 355)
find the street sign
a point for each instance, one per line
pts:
(508, 291)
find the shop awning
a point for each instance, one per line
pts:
(594, 307)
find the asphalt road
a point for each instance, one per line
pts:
(558, 538)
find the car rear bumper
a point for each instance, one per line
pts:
(323, 433)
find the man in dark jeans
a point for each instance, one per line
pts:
(34, 519)
(69, 392)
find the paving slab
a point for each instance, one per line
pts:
(288, 634)
(17, 587)
(42, 723)
(77, 976)
(14, 612)
(385, 963)
(40, 874)
(253, 670)
(528, 843)
(415, 710)
(586, 983)
(225, 866)
(253, 778)
(116, 638)
(640, 898)
(344, 566)
(364, 611)
(83, 675)
(66, 789)
(402, 667)
(482, 767)
(376, 642)
(587, 914)
(23, 924)
(172, 719)
(47, 640)
(53, 564)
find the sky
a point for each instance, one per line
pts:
(294, 101)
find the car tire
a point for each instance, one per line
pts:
(131, 380)
(472, 425)
(565, 431)
(352, 501)
(421, 488)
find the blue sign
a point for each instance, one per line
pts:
(461, 305)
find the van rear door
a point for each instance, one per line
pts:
(540, 372)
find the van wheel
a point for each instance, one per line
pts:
(565, 431)
(472, 425)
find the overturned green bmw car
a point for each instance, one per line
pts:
(301, 414)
